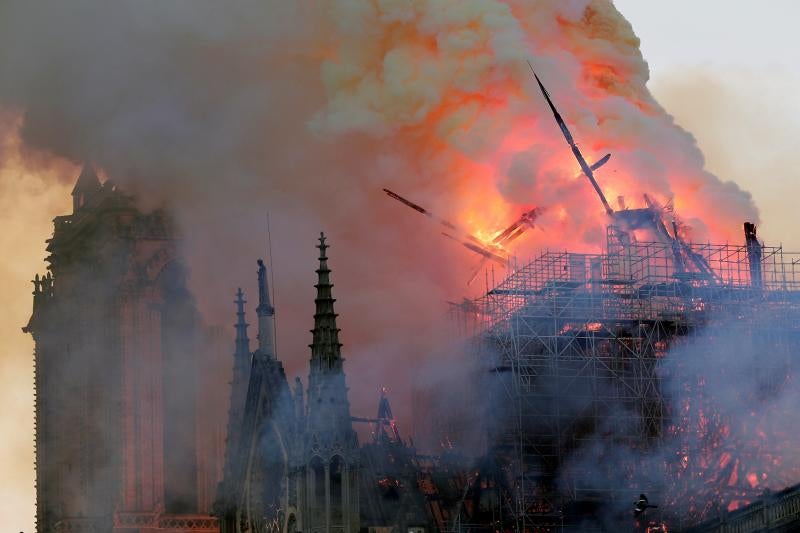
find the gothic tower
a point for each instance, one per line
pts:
(119, 418)
(328, 479)
(255, 494)
(266, 316)
(238, 396)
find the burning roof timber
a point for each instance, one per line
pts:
(658, 222)
(681, 380)
(772, 512)
(660, 365)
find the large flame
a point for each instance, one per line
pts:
(448, 84)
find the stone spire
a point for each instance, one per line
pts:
(239, 384)
(87, 185)
(330, 444)
(326, 354)
(242, 341)
(266, 313)
(327, 403)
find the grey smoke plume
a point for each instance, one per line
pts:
(306, 109)
(205, 108)
(729, 392)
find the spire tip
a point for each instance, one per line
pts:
(322, 246)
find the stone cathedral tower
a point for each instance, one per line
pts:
(329, 471)
(291, 465)
(125, 438)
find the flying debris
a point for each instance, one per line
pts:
(511, 233)
(525, 221)
(419, 209)
(491, 251)
(480, 250)
(468, 240)
(602, 161)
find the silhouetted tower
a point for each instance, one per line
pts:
(118, 345)
(87, 186)
(266, 316)
(329, 483)
(241, 363)
(239, 384)
(256, 494)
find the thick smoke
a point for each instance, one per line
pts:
(306, 110)
(742, 135)
(452, 87)
(728, 392)
(206, 109)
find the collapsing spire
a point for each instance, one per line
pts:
(585, 167)
(265, 312)
(325, 348)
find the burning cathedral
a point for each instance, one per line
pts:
(573, 351)
(608, 377)
(130, 435)
(293, 461)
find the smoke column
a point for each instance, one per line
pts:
(307, 109)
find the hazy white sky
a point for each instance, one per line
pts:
(716, 33)
(729, 72)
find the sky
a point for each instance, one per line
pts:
(729, 72)
(726, 70)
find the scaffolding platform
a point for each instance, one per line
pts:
(577, 345)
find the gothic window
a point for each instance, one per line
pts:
(337, 494)
(273, 467)
(317, 491)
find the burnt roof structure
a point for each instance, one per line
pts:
(578, 345)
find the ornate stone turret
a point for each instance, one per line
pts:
(87, 185)
(242, 341)
(239, 384)
(331, 471)
(329, 409)
(119, 352)
(326, 353)
(255, 492)
(266, 314)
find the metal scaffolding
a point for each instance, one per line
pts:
(577, 342)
